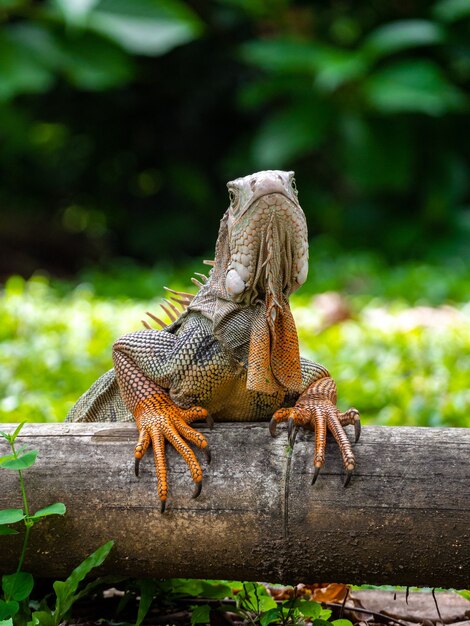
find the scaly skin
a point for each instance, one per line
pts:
(233, 353)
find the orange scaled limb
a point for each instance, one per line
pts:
(159, 419)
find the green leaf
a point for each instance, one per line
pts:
(412, 86)
(42, 618)
(22, 462)
(280, 55)
(91, 62)
(110, 581)
(200, 614)
(464, 593)
(17, 432)
(341, 622)
(58, 508)
(6, 622)
(65, 590)
(273, 615)
(17, 586)
(401, 35)
(377, 156)
(309, 608)
(8, 609)
(21, 71)
(10, 516)
(290, 133)
(320, 622)
(148, 589)
(150, 27)
(75, 12)
(451, 10)
(6, 530)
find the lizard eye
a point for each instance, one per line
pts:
(294, 186)
(233, 196)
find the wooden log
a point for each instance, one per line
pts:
(404, 519)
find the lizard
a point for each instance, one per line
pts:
(232, 354)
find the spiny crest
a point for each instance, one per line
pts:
(176, 299)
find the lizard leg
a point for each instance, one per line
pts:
(158, 420)
(316, 409)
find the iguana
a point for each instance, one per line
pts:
(233, 353)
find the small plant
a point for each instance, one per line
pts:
(251, 602)
(17, 587)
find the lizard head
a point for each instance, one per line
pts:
(267, 237)
(261, 257)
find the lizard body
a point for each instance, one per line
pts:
(233, 353)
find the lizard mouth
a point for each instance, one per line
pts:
(268, 251)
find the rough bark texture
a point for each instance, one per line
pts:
(404, 519)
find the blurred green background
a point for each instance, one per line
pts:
(121, 122)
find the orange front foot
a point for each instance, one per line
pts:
(158, 420)
(321, 415)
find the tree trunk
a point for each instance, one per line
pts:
(404, 519)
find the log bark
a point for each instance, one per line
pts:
(404, 519)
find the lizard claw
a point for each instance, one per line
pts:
(316, 471)
(291, 431)
(162, 506)
(210, 421)
(357, 430)
(272, 427)
(347, 478)
(197, 489)
(208, 454)
(136, 467)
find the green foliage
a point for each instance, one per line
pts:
(123, 119)
(401, 357)
(251, 602)
(66, 591)
(18, 586)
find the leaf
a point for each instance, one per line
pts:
(8, 609)
(75, 12)
(273, 615)
(58, 508)
(42, 618)
(90, 61)
(320, 622)
(65, 590)
(22, 462)
(281, 55)
(401, 35)
(110, 580)
(465, 594)
(16, 432)
(377, 157)
(150, 27)
(21, 71)
(6, 530)
(147, 588)
(290, 133)
(309, 608)
(451, 10)
(17, 586)
(6, 622)
(10, 516)
(341, 622)
(200, 614)
(412, 86)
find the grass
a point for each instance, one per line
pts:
(400, 351)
